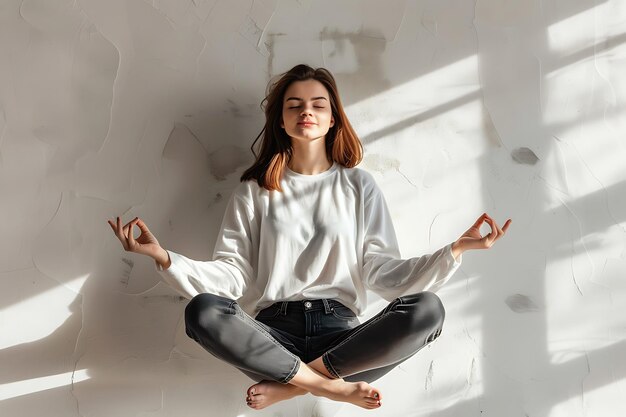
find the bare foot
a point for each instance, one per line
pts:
(357, 393)
(266, 393)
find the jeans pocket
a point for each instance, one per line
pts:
(343, 312)
(269, 312)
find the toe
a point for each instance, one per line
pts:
(373, 405)
(255, 390)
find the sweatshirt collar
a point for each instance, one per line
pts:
(296, 175)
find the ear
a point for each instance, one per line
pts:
(332, 121)
(282, 123)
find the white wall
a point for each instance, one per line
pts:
(148, 108)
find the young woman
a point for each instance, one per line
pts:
(304, 236)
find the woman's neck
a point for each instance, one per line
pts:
(309, 169)
(309, 158)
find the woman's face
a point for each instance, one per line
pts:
(307, 114)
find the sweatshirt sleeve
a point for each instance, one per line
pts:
(384, 271)
(232, 268)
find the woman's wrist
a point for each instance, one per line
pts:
(456, 249)
(163, 258)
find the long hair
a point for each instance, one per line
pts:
(342, 144)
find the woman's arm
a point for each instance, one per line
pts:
(384, 271)
(234, 258)
(233, 264)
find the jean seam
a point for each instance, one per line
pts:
(269, 336)
(329, 367)
(356, 333)
(385, 312)
(292, 373)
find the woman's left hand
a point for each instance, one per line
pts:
(472, 239)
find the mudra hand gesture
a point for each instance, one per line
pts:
(472, 239)
(145, 244)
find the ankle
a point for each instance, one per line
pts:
(298, 390)
(328, 386)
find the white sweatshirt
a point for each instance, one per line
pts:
(327, 235)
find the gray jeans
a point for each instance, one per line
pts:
(272, 345)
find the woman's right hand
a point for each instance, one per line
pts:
(145, 244)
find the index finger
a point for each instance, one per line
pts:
(493, 235)
(142, 226)
(480, 220)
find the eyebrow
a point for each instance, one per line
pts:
(299, 99)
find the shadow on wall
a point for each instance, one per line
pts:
(122, 332)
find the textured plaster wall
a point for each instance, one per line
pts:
(148, 108)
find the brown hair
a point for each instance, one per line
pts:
(342, 144)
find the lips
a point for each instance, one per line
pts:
(306, 123)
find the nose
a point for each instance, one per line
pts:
(306, 109)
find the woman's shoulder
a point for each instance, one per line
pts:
(246, 186)
(247, 190)
(360, 178)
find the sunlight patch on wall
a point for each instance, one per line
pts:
(29, 386)
(28, 320)
(574, 32)
(429, 91)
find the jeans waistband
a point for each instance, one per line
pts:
(308, 305)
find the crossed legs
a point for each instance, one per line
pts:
(342, 373)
